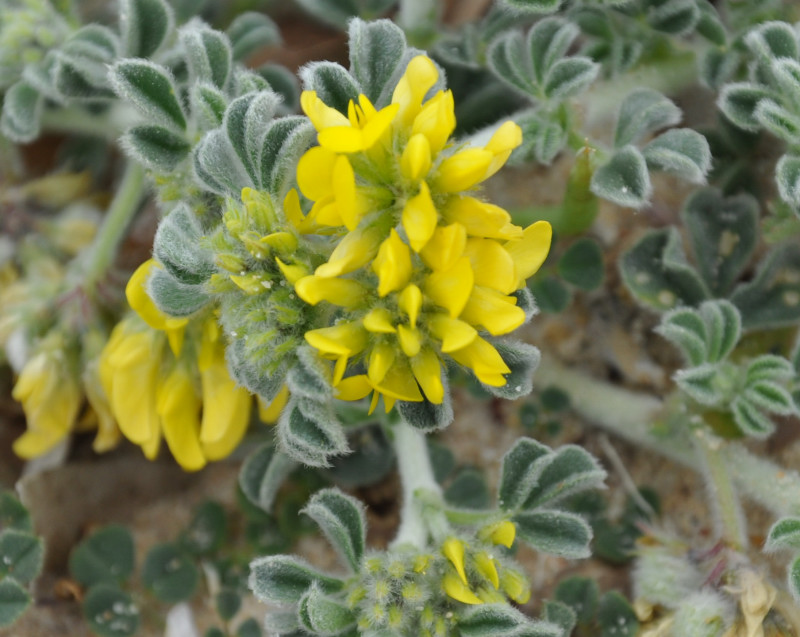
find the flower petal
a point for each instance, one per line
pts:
(420, 218)
(493, 310)
(492, 265)
(531, 250)
(445, 246)
(392, 265)
(428, 373)
(463, 170)
(451, 288)
(343, 292)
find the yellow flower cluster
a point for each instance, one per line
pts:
(422, 266)
(485, 571)
(151, 380)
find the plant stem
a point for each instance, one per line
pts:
(631, 415)
(77, 120)
(416, 476)
(723, 497)
(123, 207)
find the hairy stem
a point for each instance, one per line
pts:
(77, 120)
(416, 476)
(123, 207)
(631, 415)
(724, 499)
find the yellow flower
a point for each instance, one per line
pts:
(421, 265)
(50, 395)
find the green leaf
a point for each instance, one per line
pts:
(624, 179)
(13, 514)
(110, 612)
(550, 293)
(206, 532)
(284, 579)
(208, 104)
(208, 54)
(542, 137)
(643, 111)
(228, 602)
(787, 176)
(177, 246)
(249, 628)
(699, 383)
(682, 152)
(321, 615)
(616, 616)
(778, 121)
(281, 146)
(522, 359)
(738, 102)
(378, 58)
(723, 232)
(338, 13)
(151, 89)
(507, 60)
(145, 26)
(675, 17)
(717, 67)
(371, 461)
(567, 471)
(285, 83)
(534, 6)
(554, 399)
(156, 147)
(246, 124)
(769, 367)
(582, 264)
(773, 40)
(772, 297)
(310, 433)
(656, 272)
(218, 166)
(686, 329)
(22, 113)
(14, 601)
(169, 574)
(784, 534)
(723, 326)
(750, 419)
(425, 415)
(710, 25)
(581, 594)
(333, 84)
(263, 473)
(548, 41)
(794, 579)
(786, 72)
(561, 615)
(21, 555)
(251, 31)
(468, 490)
(520, 473)
(174, 297)
(500, 620)
(343, 522)
(106, 556)
(569, 76)
(770, 396)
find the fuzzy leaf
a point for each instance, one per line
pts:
(110, 612)
(169, 574)
(263, 473)
(581, 594)
(569, 76)
(377, 58)
(750, 419)
(786, 72)
(582, 264)
(176, 246)
(173, 297)
(145, 25)
(13, 514)
(283, 82)
(284, 141)
(321, 615)
(686, 329)
(698, 382)
(772, 297)
(616, 616)
(784, 534)
(682, 152)
(555, 532)
(310, 433)
(723, 232)
(723, 326)
(425, 415)
(506, 58)
(209, 104)
(156, 147)
(520, 473)
(106, 556)
(218, 166)
(247, 122)
(738, 102)
(22, 113)
(208, 55)
(710, 25)
(151, 89)
(643, 111)
(468, 490)
(206, 530)
(773, 40)
(338, 13)
(249, 628)
(80, 79)
(675, 17)
(14, 601)
(343, 522)
(21, 555)
(568, 470)
(522, 359)
(769, 367)
(770, 396)
(656, 272)
(500, 620)
(534, 6)
(561, 615)
(794, 579)
(548, 41)
(624, 179)
(778, 121)
(787, 176)
(284, 579)
(251, 31)
(333, 84)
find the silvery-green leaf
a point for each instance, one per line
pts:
(208, 104)
(787, 176)
(21, 555)
(22, 113)
(555, 532)
(569, 470)
(723, 326)
(616, 617)
(263, 473)
(332, 83)
(750, 419)
(520, 472)
(718, 66)
(769, 367)
(155, 147)
(218, 166)
(282, 144)
(569, 76)
(699, 383)
(773, 40)
(723, 232)
(770, 396)
(338, 13)
(151, 89)
(624, 179)
(675, 17)
(283, 82)
(310, 433)
(501, 620)
(784, 534)
(14, 601)
(145, 26)
(522, 359)
(794, 578)
(80, 79)
(548, 41)
(710, 24)
(680, 151)
(643, 111)
(341, 518)
(246, 123)
(322, 615)
(377, 58)
(772, 297)
(208, 55)
(534, 6)
(284, 579)
(506, 58)
(738, 102)
(425, 415)
(251, 31)
(177, 246)
(685, 328)
(173, 297)
(778, 121)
